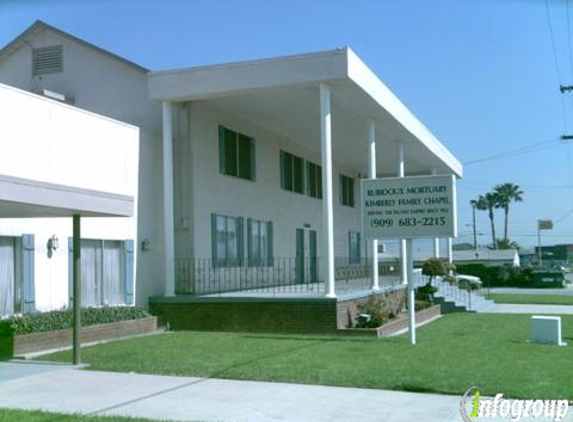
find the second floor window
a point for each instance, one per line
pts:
(314, 182)
(346, 190)
(292, 172)
(236, 154)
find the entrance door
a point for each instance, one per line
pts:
(306, 261)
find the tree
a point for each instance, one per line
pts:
(433, 267)
(506, 194)
(488, 202)
(506, 244)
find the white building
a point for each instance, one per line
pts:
(249, 172)
(57, 161)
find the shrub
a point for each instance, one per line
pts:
(495, 276)
(426, 293)
(380, 309)
(63, 319)
(466, 284)
(433, 267)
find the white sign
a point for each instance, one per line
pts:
(409, 207)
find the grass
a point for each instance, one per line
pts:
(454, 353)
(11, 415)
(532, 299)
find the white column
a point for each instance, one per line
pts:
(450, 252)
(436, 239)
(169, 251)
(327, 205)
(400, 173)
(372, 175)
(411, 299)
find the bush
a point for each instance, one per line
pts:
(63, 319)
(433, 267)
(466, 284)
(426, 294)
(380, 309)
(494, 276)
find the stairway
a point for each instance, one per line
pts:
(453, 299)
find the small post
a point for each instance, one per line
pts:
(77, 287)
(411, 298)
(400, 172)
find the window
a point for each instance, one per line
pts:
(236, 154)
(314, 180)
(107, 271)
(354, 248)
(226, 241)
(346, 190)
(260, 243)
(292, 172)
(47, 60)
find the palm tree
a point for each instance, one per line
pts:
(488, 202)
(507, 193)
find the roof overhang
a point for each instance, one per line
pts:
(24, 198)
(282, 93)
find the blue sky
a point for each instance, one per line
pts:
(480, 74)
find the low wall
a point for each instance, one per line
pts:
(317, 315)
(347, 309)
(392, 327)
(49, 340)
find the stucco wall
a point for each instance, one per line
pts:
(262, 199)
(99, 83)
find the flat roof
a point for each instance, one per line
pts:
(25, 198)
(357, 94)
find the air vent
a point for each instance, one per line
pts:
(47, 60)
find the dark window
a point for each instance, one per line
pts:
(236, 154)
(260, 243)
(226, 241)
(346, 190)
(314, 180)
(292, 172)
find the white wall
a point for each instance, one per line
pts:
(48, 141)
(263, 198)
(100, 83)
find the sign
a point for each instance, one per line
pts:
(409, 207)
(544, 224)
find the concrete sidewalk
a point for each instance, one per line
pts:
(196, 399)
(64, 389)
(507, 308)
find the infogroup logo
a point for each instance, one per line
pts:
(473, 405)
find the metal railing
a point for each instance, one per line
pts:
(454, 291)
(276, 276)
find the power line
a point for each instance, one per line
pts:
(526, 149)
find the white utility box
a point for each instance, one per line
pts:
(546, 329)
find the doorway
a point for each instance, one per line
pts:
(306, 261)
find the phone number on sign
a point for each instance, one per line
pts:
(409, 222)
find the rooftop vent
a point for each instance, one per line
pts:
(47, 60)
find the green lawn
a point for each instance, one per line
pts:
(532, 299)
(453, 354)
(10, 415)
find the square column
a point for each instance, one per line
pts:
(327, 205)
(168, 226)
(400, 173)
(372, 175)
(436, 239)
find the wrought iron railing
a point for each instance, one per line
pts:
(276, 276)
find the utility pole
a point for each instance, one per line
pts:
(474, 227)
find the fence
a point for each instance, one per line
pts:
(276, 275)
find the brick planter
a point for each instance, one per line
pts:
(49, 340)
(398, 324)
